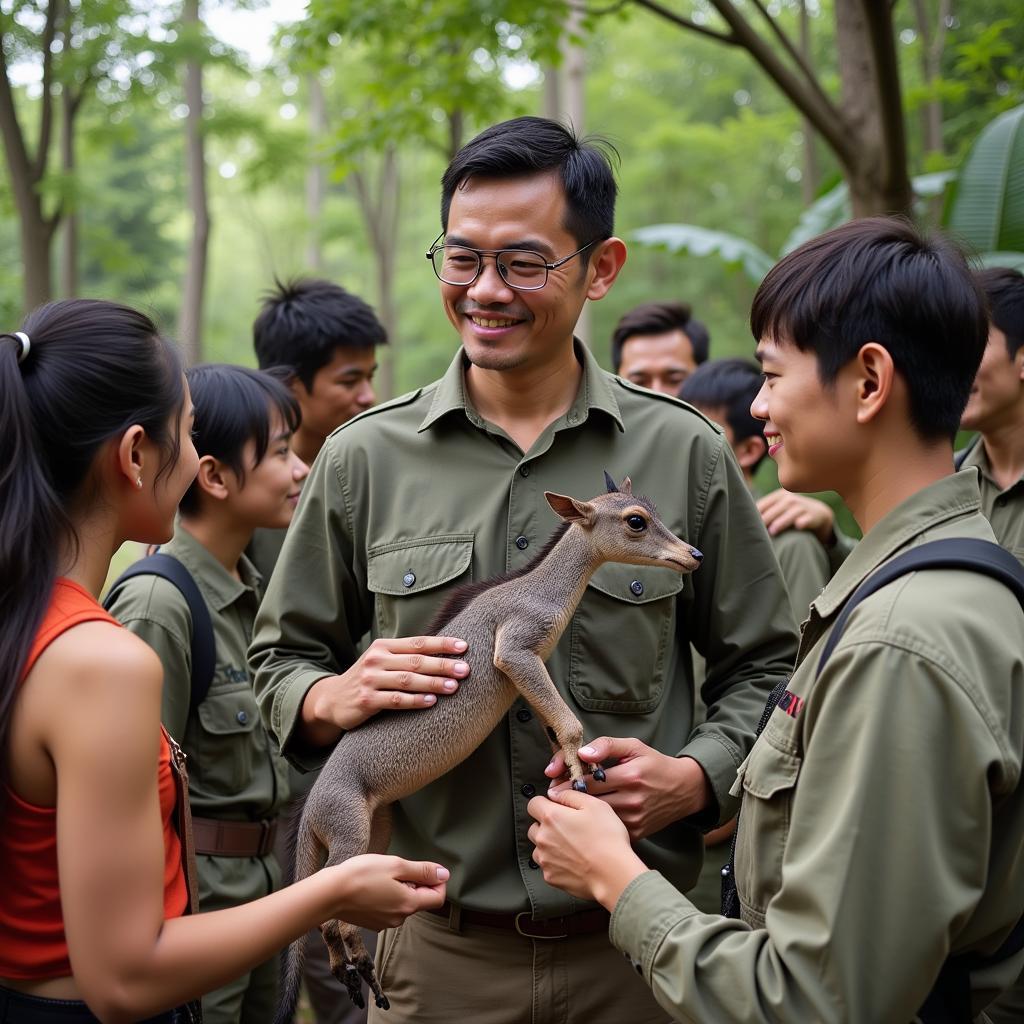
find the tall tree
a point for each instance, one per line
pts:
(863, 127)
(190, 323)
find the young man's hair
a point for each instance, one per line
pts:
(660, 318)
(233, 406)
(1004, 290)
(881, 280)
(533, 145)
(302, 322)
(730, 385)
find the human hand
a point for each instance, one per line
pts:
(398, 673)
(581, 846)
(783, 510)
(647, 789)
(378, 891)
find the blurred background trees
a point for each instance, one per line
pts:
(180, 156)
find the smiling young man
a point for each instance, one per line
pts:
(446, 485)
(882, 813)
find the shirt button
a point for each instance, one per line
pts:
(522, 543)
(1001, 502)
(242, 717)
(408, 579)
(532, 864)
(524, 470)
(637, 587)
(529, 789)
(523, 715)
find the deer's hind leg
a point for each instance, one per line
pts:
(526, 670)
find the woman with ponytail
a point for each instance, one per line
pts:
(95, 417)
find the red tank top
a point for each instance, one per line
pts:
(32, 943)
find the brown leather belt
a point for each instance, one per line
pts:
(586, 922)
(233, 838)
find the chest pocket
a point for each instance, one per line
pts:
(766, 780)
(620, 638)
(411, 579)
(228, 749)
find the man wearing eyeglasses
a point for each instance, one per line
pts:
(446, 485)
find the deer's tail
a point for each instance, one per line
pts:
(306, 856)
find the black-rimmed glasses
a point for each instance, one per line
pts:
(522, 269)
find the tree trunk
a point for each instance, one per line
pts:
(933, 41)
(26, 172)
(811, 171)
(551, 99)
(69, 230)
(190, 333)
(876, 170)
(316, 175)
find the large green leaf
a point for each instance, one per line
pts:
(986, 207)
(1014, 260)
(733, 250)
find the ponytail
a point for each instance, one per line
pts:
(88, 371)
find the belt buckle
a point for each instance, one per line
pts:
(532, 935)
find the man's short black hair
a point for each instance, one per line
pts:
(879, 279)
(235, 405)
(532, 145)
(302, 322)
(1004, 291)
(659, 318)
(730, 385)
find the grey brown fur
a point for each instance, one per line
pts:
(511, 627)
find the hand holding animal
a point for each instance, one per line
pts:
(511, 624)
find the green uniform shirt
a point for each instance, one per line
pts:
(1002, 508)
(805, 568)
(234, 772)
(882, 819)
(419, 495)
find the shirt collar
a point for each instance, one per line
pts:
(947, 499)
(978, 456)
(595, 392)
(218, 586)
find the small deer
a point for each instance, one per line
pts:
(511, 624)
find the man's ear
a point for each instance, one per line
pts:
(750, 451)
(605, 264)
(875, 377)
(571, 510)
(214, 478)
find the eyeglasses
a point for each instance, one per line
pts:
(521, 269)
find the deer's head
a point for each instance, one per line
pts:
(623, 527)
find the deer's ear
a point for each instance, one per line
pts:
(569, 509)
(626, 486)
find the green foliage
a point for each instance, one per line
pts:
(986, 208)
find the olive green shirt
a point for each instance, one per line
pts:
(882, 817)
(1002, 508)
(419, 495)
(805, 568)
(234, 772)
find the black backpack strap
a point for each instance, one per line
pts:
(203, 649)
(961, 456)
(954, 553)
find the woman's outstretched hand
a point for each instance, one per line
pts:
(378, 891)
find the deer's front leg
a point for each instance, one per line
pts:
(523, 666)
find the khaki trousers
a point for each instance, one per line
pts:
(435, 974)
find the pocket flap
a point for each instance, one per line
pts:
(767, 770)
(636, 584)
(413, 566)
(227, 712)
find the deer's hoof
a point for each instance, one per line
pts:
(599, 775)
(357, 1000)
(382, 1003)
(580, 786)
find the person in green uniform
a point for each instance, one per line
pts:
(882, 812)
(325, 339)
(249, 477)
(446, 485)
(723, 390)
(995, 409)
(658, 345)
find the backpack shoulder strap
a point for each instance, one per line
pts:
(203, 648)
(967, 553)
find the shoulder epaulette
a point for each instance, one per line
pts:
(671, 400)
(391, 403)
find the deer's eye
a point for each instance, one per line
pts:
(637, 523)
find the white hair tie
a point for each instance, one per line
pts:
(26, 344)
